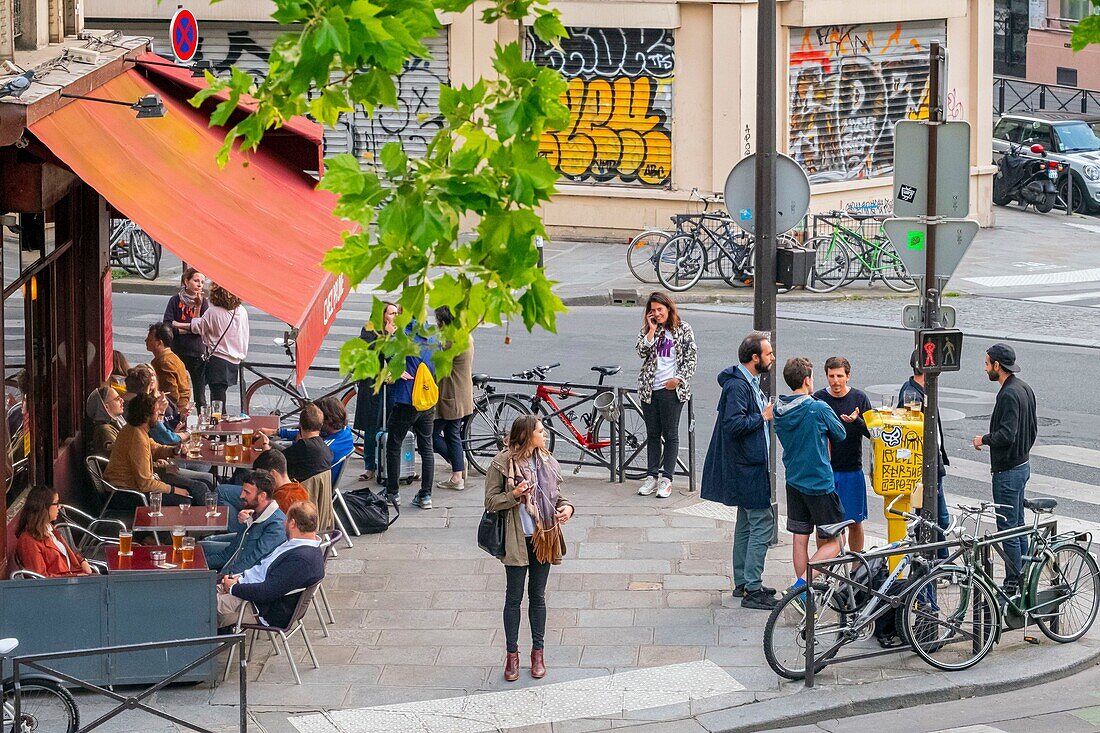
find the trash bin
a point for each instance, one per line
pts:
(792, 266)
(897, 463)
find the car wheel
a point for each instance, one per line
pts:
(1081, 200)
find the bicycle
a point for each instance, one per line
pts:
(45, 706)
(847, 255)
(281, 396)
(847, 605)
(133, 250)
(641, 253)
(684, 259)
(1059, 591)
(485, 431)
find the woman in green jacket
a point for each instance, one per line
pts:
(523, 482)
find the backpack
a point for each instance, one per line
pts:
(369, 511)
(425, 392)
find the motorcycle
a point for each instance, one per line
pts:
(1026, 179)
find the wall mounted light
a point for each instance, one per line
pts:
(147, 107)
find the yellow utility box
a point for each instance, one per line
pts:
(897, 440)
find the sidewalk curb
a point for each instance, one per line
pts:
(815, 705)
(144, 287)
(742, 296)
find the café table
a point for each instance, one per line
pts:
(193, 519)
(229, 427)
(142, 560)
(216, 458)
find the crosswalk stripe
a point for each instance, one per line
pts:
(1037, 485)
(1069, 454)
(1044, 278)
(1067, 298)
(971, 729)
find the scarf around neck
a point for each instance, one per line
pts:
(542, 502)
(187, 299)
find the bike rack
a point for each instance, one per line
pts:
(134, 702)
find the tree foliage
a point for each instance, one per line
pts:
(481, 173)
(1087, 31)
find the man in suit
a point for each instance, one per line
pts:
(736, 469)
(296, 563)
(260, 532)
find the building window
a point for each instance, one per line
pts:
(1067, 77)
(1076, 9)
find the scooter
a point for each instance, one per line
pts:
(1026, 179)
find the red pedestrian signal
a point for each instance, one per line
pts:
(939, 350)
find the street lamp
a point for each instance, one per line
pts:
(147, 107)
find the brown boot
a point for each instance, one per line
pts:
(538, 665)
(511, 667)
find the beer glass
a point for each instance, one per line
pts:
(187, 553)
(156, 501)
(212, 504)
(887, 404)
(233, 450)
(246, 438)
(178, 533)
(215, 411)
(125, 543)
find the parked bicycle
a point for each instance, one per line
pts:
(133, 250)
(641, 252)
(848, 255)
(573, 437)
(45, 706)
(271, 395)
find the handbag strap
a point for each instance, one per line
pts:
(229, 325)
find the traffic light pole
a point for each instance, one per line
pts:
(930, 469)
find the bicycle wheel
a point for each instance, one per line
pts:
(680, 263)
(143, 253)
(785, 632)
(831, 265)
(641, 254)
(951, 619)
(484, 432)
(893, 271)
(44, 707)
(634, 438)
(737, 271)
(1066, 587)
(267, 397)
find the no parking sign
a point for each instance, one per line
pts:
(184, 32)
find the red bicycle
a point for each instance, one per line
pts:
(578, 432)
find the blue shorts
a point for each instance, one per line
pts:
(851, 487)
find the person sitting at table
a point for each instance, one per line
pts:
(120, 367)
(38, 548)
(287, 491)
(336, 433)
(261, 528)
(296, 563)
(171, 374)
(308, 455)
(143, 380)
(132, 458)
(104, 412)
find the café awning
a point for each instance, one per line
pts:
(258, 227)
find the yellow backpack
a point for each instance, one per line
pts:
(425, 391)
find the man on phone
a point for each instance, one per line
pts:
(735, 472)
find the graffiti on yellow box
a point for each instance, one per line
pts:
(898, 445)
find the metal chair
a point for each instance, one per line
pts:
(106, 490)
(339, 503)
(328, 549)
(87, 528)
(293, 626)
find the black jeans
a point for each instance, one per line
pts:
(402, 419)
(662, 430)
(536, 600)
(196, 369)
(447, 437)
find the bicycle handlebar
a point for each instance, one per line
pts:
(539, 371)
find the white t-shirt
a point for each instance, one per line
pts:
(666, 359)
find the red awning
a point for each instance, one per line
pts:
(259, 229)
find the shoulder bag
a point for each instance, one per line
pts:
(209, 352)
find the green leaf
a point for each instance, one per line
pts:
(1086, 33)
(393, 157)
(342, 175)
(332, 36)
(548, 27)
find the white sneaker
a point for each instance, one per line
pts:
(648, 486)
(664, 488)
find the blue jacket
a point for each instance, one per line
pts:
(401, 390)
(299, 567)
(256, 541)
(735, 472)
(804, 426)
(341, 443)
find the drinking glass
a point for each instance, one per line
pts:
(246, 438)
(185, 504)
(178, 533)
(156, 501)
(233, 449)
(187, 554)
(215, 411)
(204, 416)
(212, 505)
(887, 404)
(125, 543)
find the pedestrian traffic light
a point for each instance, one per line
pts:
(940, 350)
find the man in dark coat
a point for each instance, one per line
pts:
(736, 469)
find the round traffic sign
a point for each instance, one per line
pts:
(184, 32)
(792, 193)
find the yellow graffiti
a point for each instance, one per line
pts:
(614, 132)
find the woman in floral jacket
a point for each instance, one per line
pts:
(666, 345)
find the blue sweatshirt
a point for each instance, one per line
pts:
(804, 426)
(402, 389)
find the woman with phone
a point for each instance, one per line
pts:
(524, 483)
(666, 345)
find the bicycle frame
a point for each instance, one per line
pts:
(546, 394)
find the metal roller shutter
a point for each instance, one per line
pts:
(414, 122)
(848, 86)
(620, 102)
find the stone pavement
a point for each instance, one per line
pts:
(642, 629)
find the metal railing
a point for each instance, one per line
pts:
(136, 701)
(1017, 95)
(17, 18)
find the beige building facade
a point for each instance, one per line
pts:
(662, 94)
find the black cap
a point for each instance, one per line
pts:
(1003, 355)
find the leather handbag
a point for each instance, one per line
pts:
(490, 533)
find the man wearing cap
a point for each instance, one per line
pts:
(1012, 430)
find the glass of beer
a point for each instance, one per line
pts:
(187, 552)
(887, 404)
(212, 504)
(156, 501)
(125, 543)
(233, 449)
(246, 438)
(215, 411)
(178, 533)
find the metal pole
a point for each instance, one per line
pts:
(930, 472)
(764, 291)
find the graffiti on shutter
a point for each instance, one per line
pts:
(848, 86)
(415, 120)
(620, 105)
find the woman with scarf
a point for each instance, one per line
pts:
(184, 307)
(104, 412)
(523, 484)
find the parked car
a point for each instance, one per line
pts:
(1069, 138)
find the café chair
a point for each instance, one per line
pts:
(94, 533)
(319, 488)
(328, 549)
(339, 504)
(107, 492)
(293, 626)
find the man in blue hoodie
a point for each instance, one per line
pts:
(804, 426)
